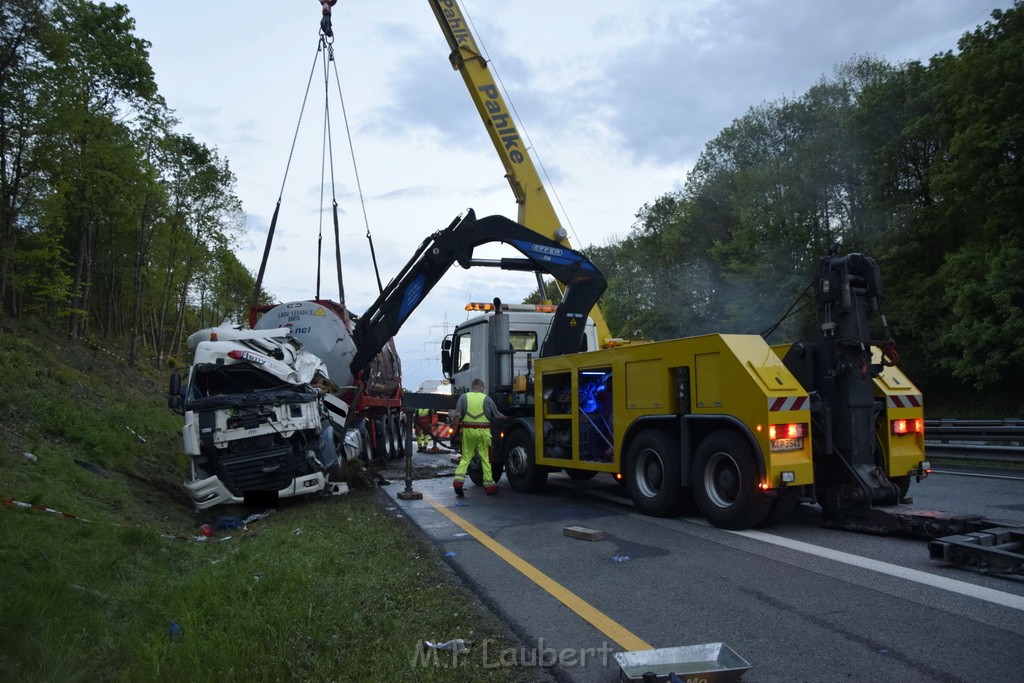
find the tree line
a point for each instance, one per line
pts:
(918, 165)
(111, 222)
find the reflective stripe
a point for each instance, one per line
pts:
(787, 403)
(904, 401)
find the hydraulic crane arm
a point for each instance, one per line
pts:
(583, 282)
(535, 209)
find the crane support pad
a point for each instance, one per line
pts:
(905, 520)
(992, 551)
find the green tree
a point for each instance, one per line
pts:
(22, 114)
(203, 216)
(102, 77)
(980, 209)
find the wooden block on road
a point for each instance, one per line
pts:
(584, 533)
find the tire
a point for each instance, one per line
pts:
(366, 446)
(580, 475)
(476, 472)
(381, 440)
(782, 507)
(653, 473)
(402, 423)
(521, 465)
(725, 482)
(904, 485)
(397, 443)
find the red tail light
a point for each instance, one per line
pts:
(914, 426)
(794, 430)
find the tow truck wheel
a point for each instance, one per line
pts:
(782, 507)
(476, 472)
(725, 483)
(653, 472)
(521, 466)
(903, 483)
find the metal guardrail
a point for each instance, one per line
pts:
(975, 440)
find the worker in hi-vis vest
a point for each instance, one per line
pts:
(422, 426)
(474, 412)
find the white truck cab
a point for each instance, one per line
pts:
(500, 348)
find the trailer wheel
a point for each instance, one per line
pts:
(385, 438)
(365, 445)
(653, 472)
(580, 475)
(397, 440)
(521, 466)
(725, 482)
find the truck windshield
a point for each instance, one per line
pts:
(216, 382)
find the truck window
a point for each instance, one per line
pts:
(462, 348)
(523, 341)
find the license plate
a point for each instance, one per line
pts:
(796, 444)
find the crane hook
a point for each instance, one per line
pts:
(325, 21)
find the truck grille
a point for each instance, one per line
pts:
(265, 470)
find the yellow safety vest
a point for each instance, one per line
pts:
(475, 417)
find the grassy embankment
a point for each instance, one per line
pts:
(332, 589)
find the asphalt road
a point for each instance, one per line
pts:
(798, 602)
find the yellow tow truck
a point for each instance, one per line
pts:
(742, 429)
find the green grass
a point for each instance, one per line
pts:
(331, 589)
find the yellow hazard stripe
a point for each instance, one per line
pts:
(598, 619)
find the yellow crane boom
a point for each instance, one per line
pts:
(535, 209)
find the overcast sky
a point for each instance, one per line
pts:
(618, 100)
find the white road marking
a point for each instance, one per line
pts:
(953, 585)
(978, 474)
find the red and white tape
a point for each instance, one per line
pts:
(40, 508)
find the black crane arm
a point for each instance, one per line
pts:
(455, 244)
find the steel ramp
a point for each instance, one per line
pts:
(999, 550)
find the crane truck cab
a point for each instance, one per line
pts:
(473, 350)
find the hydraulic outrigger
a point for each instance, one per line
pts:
(847, 380)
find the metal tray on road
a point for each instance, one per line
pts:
(706, 663)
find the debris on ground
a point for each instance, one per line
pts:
(457, 645)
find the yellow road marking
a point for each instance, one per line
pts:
(601, 621)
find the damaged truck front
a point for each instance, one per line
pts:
(256, 427)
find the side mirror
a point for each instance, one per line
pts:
(174, 399)
(446, 362)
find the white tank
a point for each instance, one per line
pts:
(319, 326)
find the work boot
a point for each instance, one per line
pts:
(490, 489)
(457, 485)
